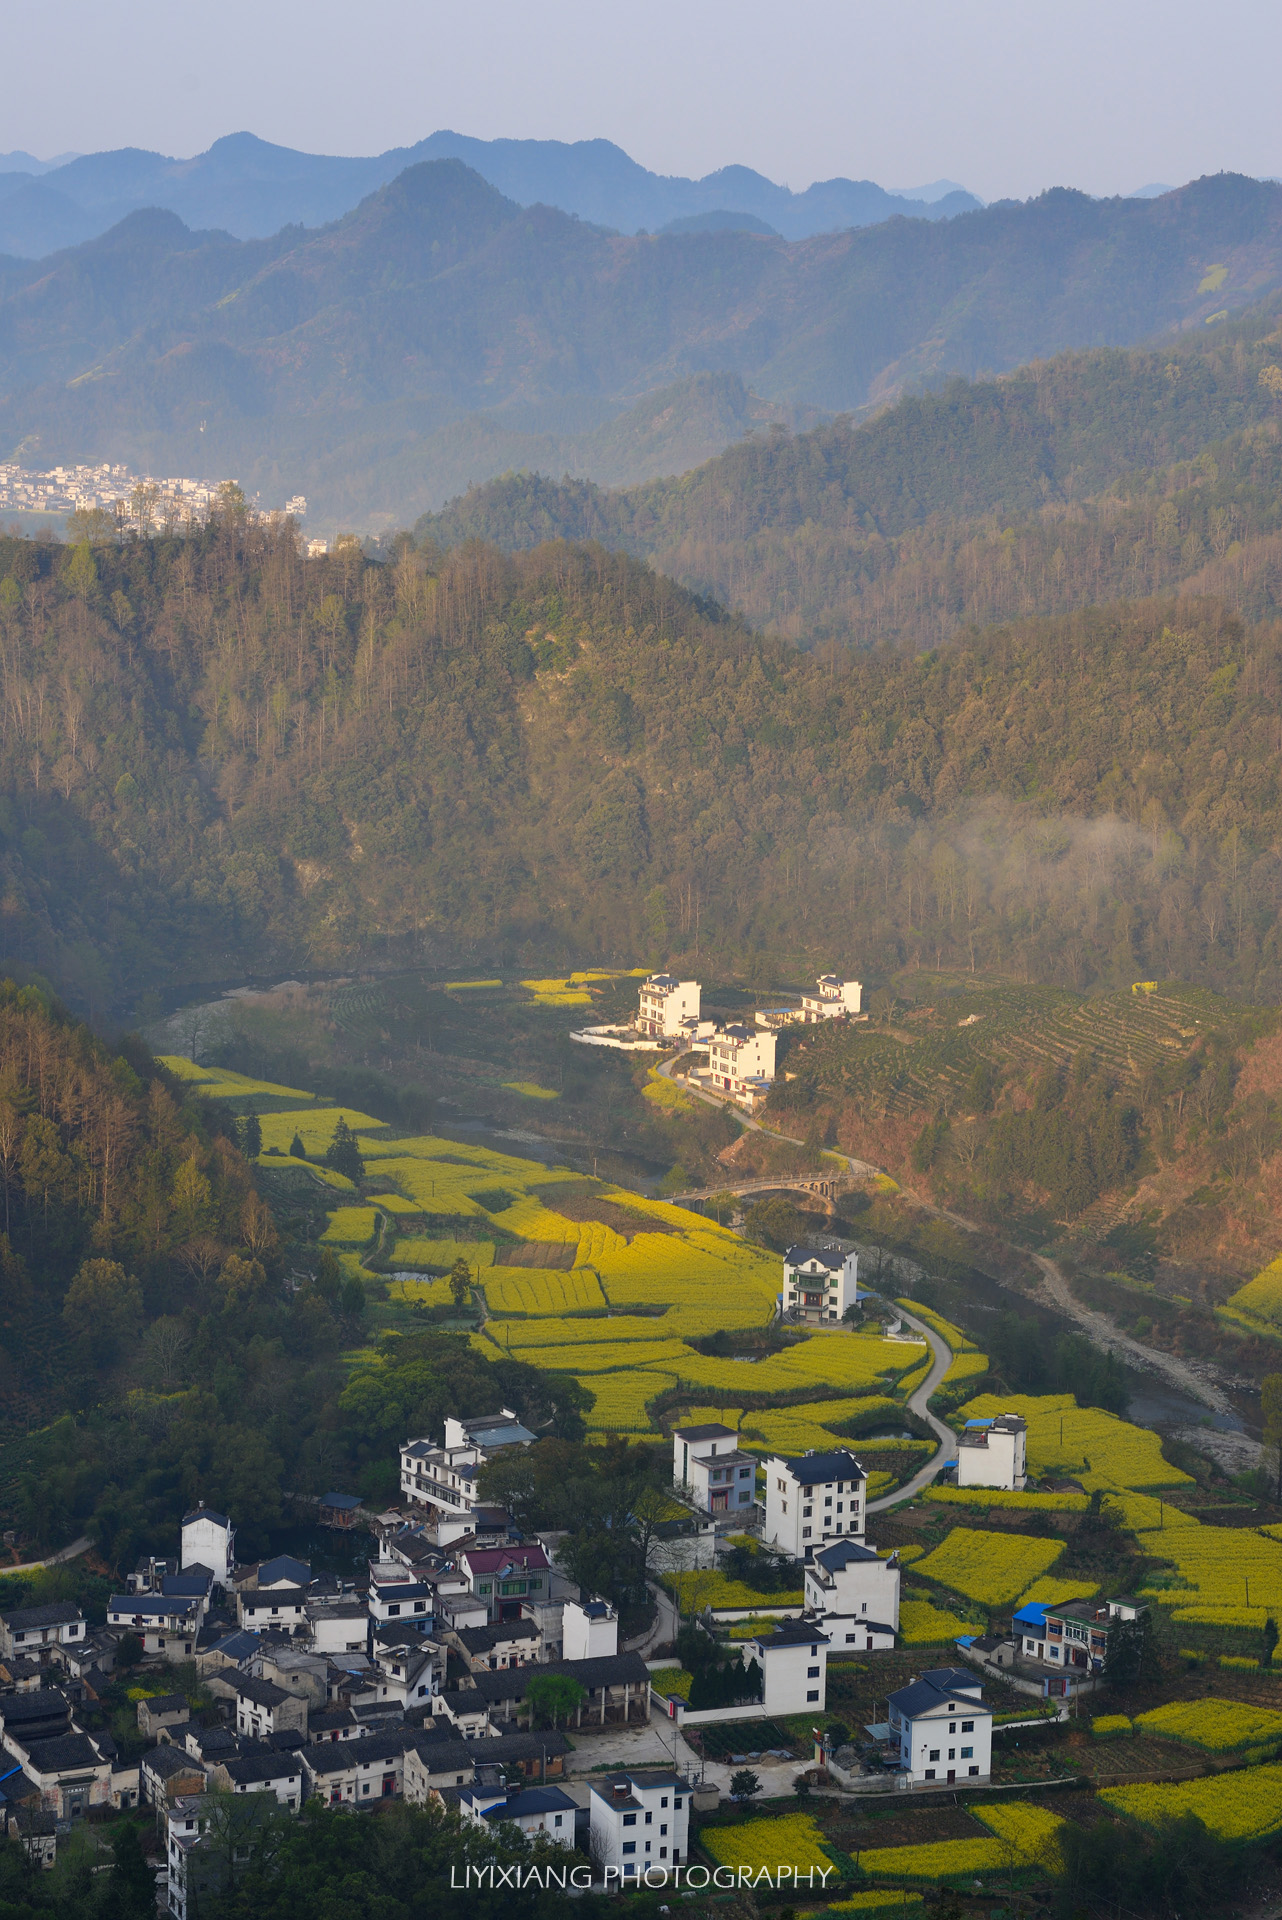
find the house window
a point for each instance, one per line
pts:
(629, 1846)
(934, 1753)
(972, 1770)
(629, 1819)
(812, 1673)
(813, 1695)
(967, 1753)
(968, 1726)
(930, 1773)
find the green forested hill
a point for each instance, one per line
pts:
(217, 757)
(1087, 477)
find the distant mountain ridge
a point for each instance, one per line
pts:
(330, 362)
(249, 188)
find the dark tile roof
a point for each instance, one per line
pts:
(534, 1800)
(841, 1553)
(63, 1753)
(294, 1573)
(485, 1639)
(329, 1721)
(261, 1692)
(923, 1696)
(794, 1633)
(814, 1468)
(263, 1599)
(203, 1512)
(57, 1613)
(165, 1761)
(827, 1257)
(46, 1703)
(709, 1432)
(166, 1703)
(607, 1670)
(247, 1768)
(336, 1756)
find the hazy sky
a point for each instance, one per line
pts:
(1007, 98)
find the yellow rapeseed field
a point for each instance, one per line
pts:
(1235, 1806)
(1220, 1726)
(993, 1568)
(793, 1840)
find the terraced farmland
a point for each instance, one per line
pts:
(932, 1053)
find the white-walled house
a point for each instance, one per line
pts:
(639, 1822)
(813, 1499)
(943, 1726)
(589, 1629)
(851, 1580)
(666, 1005)
(168, 1625)
(444, 1478)
(27, 1630)
(832, 998)
(819, 1283)
(994, 1453)
(708, 1465)
(209, 1540)
(741, 1062)
(541, 1810)
(794, 1666)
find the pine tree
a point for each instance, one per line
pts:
(343, 1154)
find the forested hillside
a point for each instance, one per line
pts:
(1088, 477)
(325, 360)
(218, 756)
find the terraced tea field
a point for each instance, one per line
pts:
(930, 1054)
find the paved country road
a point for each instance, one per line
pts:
(917, 1402)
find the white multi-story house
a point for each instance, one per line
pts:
(943, 1727)
(396, 1592)
(589, 1629)
(639, 1823)
(708, 1465)
(994, 1453)
(30, 1629)
(668, 1006)
(741, 1062)
(209, 1540)
(794, 1666)
(832, 999)
(445, 1478)
(856, 1590)
(819, 1284)
(812, 1500)
(544, 1811)
(167, 1624)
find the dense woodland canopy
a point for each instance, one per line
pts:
(1086, 478)
(216, 755)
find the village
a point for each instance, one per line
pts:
(740, 1055)
(439, 1673)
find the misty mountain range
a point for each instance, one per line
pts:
(440, 333)
(248, 188)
